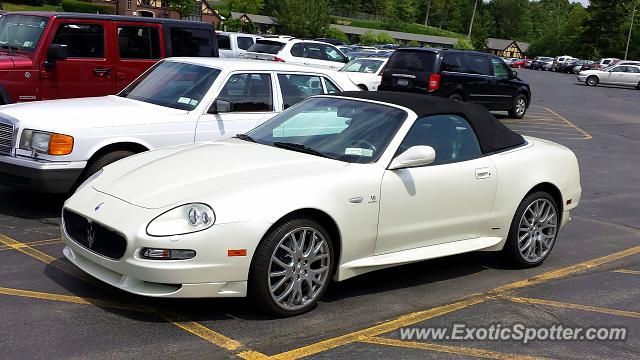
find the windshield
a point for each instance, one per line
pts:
(341, 129)
(21, 32)
(368, 66)
(172, 84)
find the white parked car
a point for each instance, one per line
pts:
(297, 51)
(366, 72)
(561, 60)
(626, 75)
(234, 45)
(337, 186)
(49, 146)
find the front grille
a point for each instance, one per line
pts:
(6, 138)
(94, 236)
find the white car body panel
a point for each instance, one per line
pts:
(285, 54)
(97, 122)
(611, 76)
(370, 81)
(235, 51)
(252, 186)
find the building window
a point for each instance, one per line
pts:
(164, 4)
(128, 4)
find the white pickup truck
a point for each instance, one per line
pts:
(50, 146)
(234, 45)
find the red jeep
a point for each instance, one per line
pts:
(63, 55)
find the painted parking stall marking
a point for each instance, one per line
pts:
(542, 121)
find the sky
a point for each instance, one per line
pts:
(584, 2)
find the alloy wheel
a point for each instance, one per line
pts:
(537, 230)
(521, 106)
(299, 268)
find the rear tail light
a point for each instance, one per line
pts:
(278, 59)
(434, 82)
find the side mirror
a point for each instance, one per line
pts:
(55, 52)
(420, 155)
(514, 74)
(220, 106)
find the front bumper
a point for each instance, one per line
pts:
(581, 78)
(211, 273)
(40, 176)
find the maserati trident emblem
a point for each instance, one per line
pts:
(91, 235)
(99, 206)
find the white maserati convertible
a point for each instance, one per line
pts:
(331, 188)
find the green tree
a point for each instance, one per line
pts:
(335, 33)
(604, 34)
(368, 38)
(384, 38)
(184, 7)
(302, 18)
(463, 44)
(512, 18)
(483, 26)
(246, 6)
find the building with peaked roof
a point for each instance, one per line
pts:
(507, 48)
(428, 40)
(160, 8)
(263, 24)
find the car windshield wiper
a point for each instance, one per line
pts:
(10, 48)
(300, 148)
(244, 137)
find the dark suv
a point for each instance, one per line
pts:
(459, 75)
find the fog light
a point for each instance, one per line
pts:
(167, 254)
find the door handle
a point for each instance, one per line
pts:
(102, 72)
(483, 173)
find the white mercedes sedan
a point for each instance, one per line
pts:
(625, 75)
(334, 187)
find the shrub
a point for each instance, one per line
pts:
(85, 7)
(28, 2)
(463, 44)
(335, 33)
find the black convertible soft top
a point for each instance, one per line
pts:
(492, 134)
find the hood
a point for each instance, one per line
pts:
(17, 60)
(92, 112)
(6, 62)
(590, 72)
(356, 76)
(160, 178)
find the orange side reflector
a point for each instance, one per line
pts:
(60, 144)
(238, 252)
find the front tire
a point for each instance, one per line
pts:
(592, 80)
(519, 108)
(291, 268)
(533, 231)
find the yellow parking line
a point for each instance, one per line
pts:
(417, 317)
(459, 350)
(174, 318)
(33, 243)
(47, 259)
(564, 272)
(586, 135)
(402, 321)
(546, 132)
(72, 299)
(625, 271)
(558, 304)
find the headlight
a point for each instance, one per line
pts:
(89, 180)
(184, 219)
(46, 142)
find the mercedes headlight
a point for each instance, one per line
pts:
(184, 219)
(46, 142)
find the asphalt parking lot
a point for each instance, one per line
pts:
(592, 278)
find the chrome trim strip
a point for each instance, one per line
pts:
(406, 76)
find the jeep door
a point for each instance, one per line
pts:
(88, 68)
(139, 46)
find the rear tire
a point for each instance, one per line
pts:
(301, 275)
(537, 230)
(592, 80)
(519, 108)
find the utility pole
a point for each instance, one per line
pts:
(473, 15)
(426, 19)
(633, 15)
